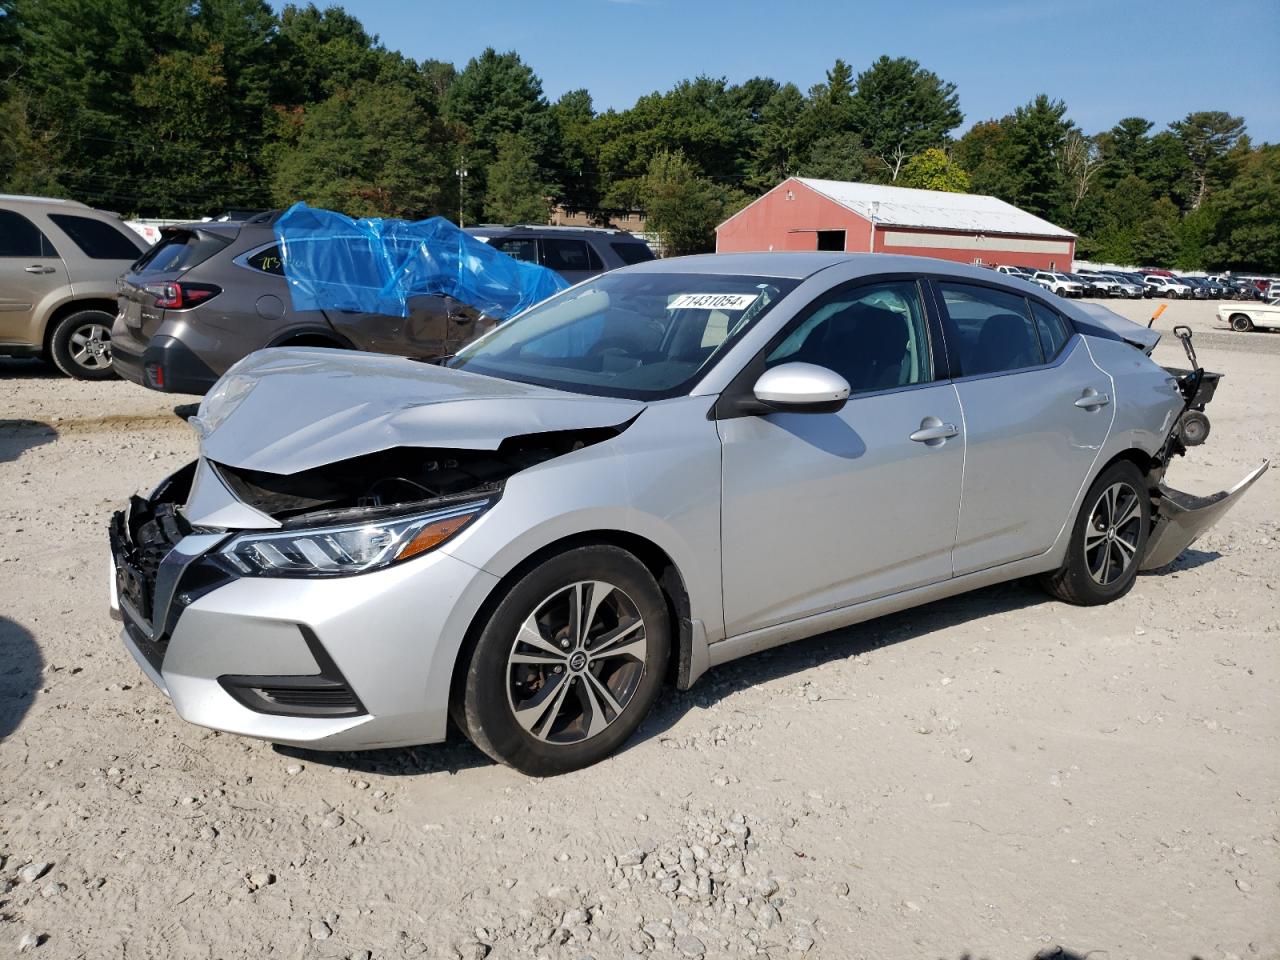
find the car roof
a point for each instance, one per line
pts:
(24, 200)
(500, 229)
(799, 265)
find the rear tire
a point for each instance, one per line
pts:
(1108, 540)
(545, 697)
(80, 345)
(1241, 323)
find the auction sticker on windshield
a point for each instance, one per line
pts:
(713, 301)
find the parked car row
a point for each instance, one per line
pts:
(81, 288)
(1147, 283)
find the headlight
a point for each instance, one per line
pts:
(343, 550)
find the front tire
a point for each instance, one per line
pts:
(1108, 540)
(569, 663)
(1241, 323)
(80, 345)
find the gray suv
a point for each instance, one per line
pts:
(576, 253)
(59, 261)
(209, 294)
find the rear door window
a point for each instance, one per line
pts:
(561, 255)
(520, 248)
(19, 237)
(993, 329)
(630, 253)
(1053, 330)
(97, 239)
(181, 250)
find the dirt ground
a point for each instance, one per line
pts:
(997, 775)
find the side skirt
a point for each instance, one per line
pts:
(767, 637)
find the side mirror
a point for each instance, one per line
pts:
(802, 388)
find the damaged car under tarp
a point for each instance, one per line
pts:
(662, 469)
(374, 265)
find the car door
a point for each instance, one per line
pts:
(1037, 411)
(30, 272)
(822, 510)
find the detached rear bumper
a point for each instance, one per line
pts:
(1181, 518)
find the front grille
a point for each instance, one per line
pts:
(140, 540)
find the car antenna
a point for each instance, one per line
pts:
(1159, 310)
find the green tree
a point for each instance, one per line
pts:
(184, 102)
(839, 87)
(1035, 138)
(901, 109)
(837, 156)
(496, 96)
(516, 192)
(1207, 136)
(934, 170)
(1246, 232)
(682, 207)
(1155, 241)
(579, 175)
(775, 155)
(28, 158)
(984, 153)
(368, 150)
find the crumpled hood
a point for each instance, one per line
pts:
(290, 409)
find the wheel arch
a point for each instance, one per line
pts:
(310, 336)
(66, 309)
(681, 670)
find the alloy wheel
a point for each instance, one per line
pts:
(1111, 537)
(576, 662)
(90, 346)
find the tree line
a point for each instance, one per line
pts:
(169, 108)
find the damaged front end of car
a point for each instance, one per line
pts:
(310, 477)
(1179, 519)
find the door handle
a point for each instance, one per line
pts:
(931, 428)
(1091, 399)
(37, 268)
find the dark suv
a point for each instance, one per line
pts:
(575, 253)
(208, 294)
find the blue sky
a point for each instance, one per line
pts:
(1107, 59)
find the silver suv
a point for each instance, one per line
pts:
(59, 261)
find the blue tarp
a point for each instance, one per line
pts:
(333, 262)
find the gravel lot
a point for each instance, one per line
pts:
(997, 775)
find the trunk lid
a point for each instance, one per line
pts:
(175, 254)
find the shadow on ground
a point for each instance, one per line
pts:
(21, 667)
(1187, 560)
(836, 645)
(26, 368)
(458, 754)
(19, 436)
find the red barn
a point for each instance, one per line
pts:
(805, 214)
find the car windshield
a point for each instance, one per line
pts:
(643, 336)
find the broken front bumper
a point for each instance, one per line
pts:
(1180, 518)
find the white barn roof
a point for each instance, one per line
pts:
(935, 209)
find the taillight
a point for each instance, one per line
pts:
(180, 296)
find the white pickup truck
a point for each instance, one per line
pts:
(1243, 317)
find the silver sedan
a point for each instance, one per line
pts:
(654, 472)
